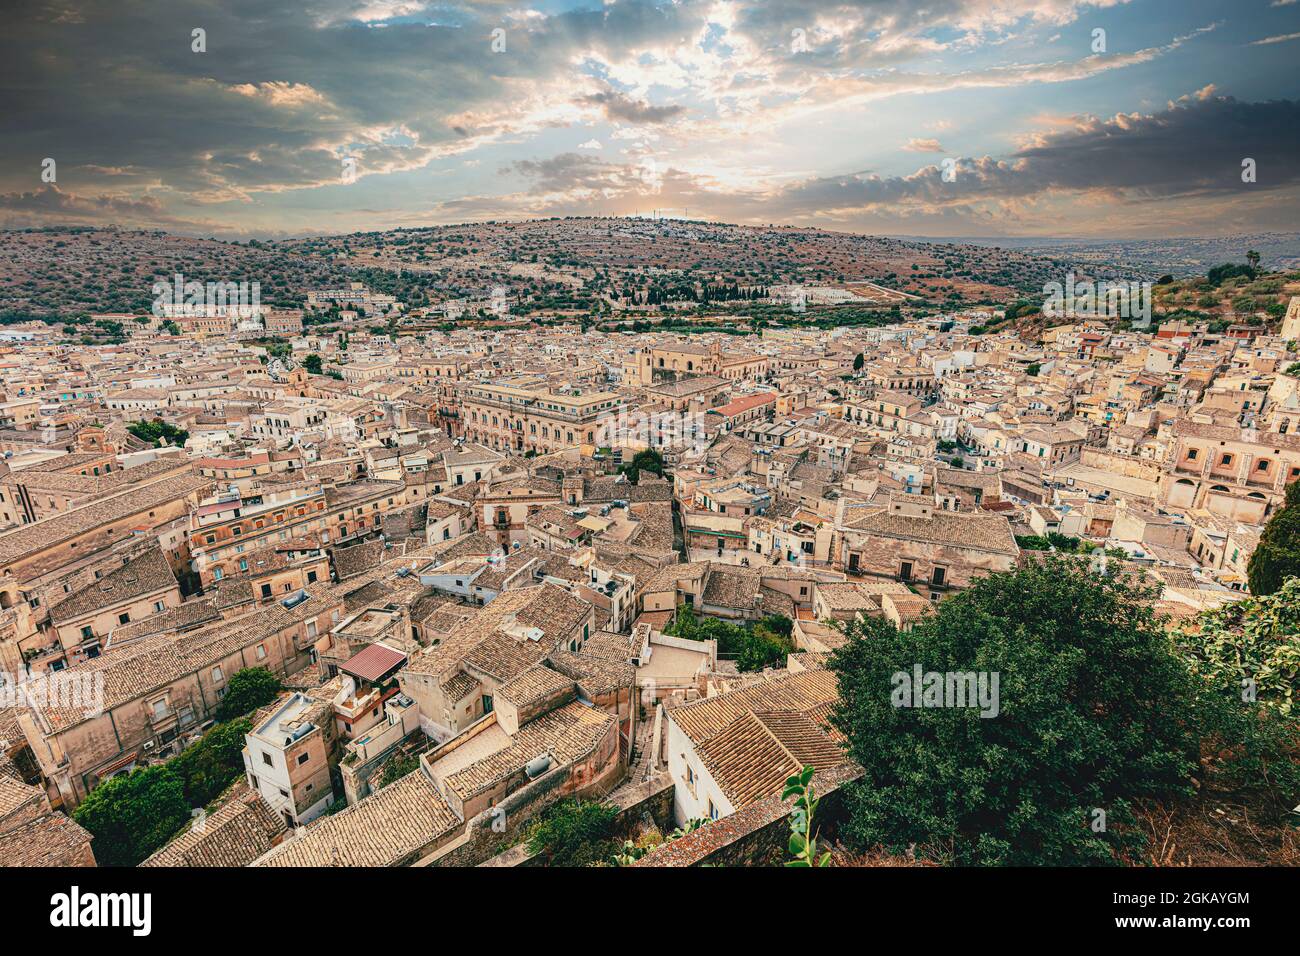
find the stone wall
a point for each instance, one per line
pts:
(756, 835)
(481, 842)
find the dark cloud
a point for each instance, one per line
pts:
(618, 106)
(1193, 148)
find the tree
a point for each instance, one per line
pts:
(1252, 257)
(212, 763)
(247, 690)
(645, 460)
(131, 815)
(157, 431)
(313, 364)
(858, 361)
(1277, 556)
(1093, 712)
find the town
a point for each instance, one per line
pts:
(374, 580)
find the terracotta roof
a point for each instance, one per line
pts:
(235, 835)
(51, 840)
(373, 663)
(384, 829)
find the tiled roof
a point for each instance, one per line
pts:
(235, 835)
(381, 830)
(51, 840)
(372, 662)
(568, 733)
(142, 575)
(981, 532)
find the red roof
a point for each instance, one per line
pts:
(373, 663)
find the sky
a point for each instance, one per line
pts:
(262, 118)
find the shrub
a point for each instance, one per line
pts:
(575, 832)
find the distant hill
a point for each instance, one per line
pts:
(1279, 251)
(573, 265)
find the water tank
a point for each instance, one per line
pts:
(537, 766)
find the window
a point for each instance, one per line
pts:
(159, 607)
(266, 759)
(87, 632)
(266, 590)
(938, 576)
(261, 652)
(905, 571)
(216, 574)
(1191, 454)
(217, 675)
(159, 707)
(302, 758)
(1225, 460)
(713, 811)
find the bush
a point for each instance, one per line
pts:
(753, 647)
(396, 768)
(574, 832)
(247, 690)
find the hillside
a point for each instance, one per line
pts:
(551, 264)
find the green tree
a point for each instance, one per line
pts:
(131, 815)
(1094, 712)
(214, 762)
(1277, 556)
(313, 363)
(247, 690)
(645, 460)
(858, 361)
(157, 431)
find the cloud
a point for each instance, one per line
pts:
(1281, 38)
(1144, 170)
(257, 127)
(51, 205)
(617, 106)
